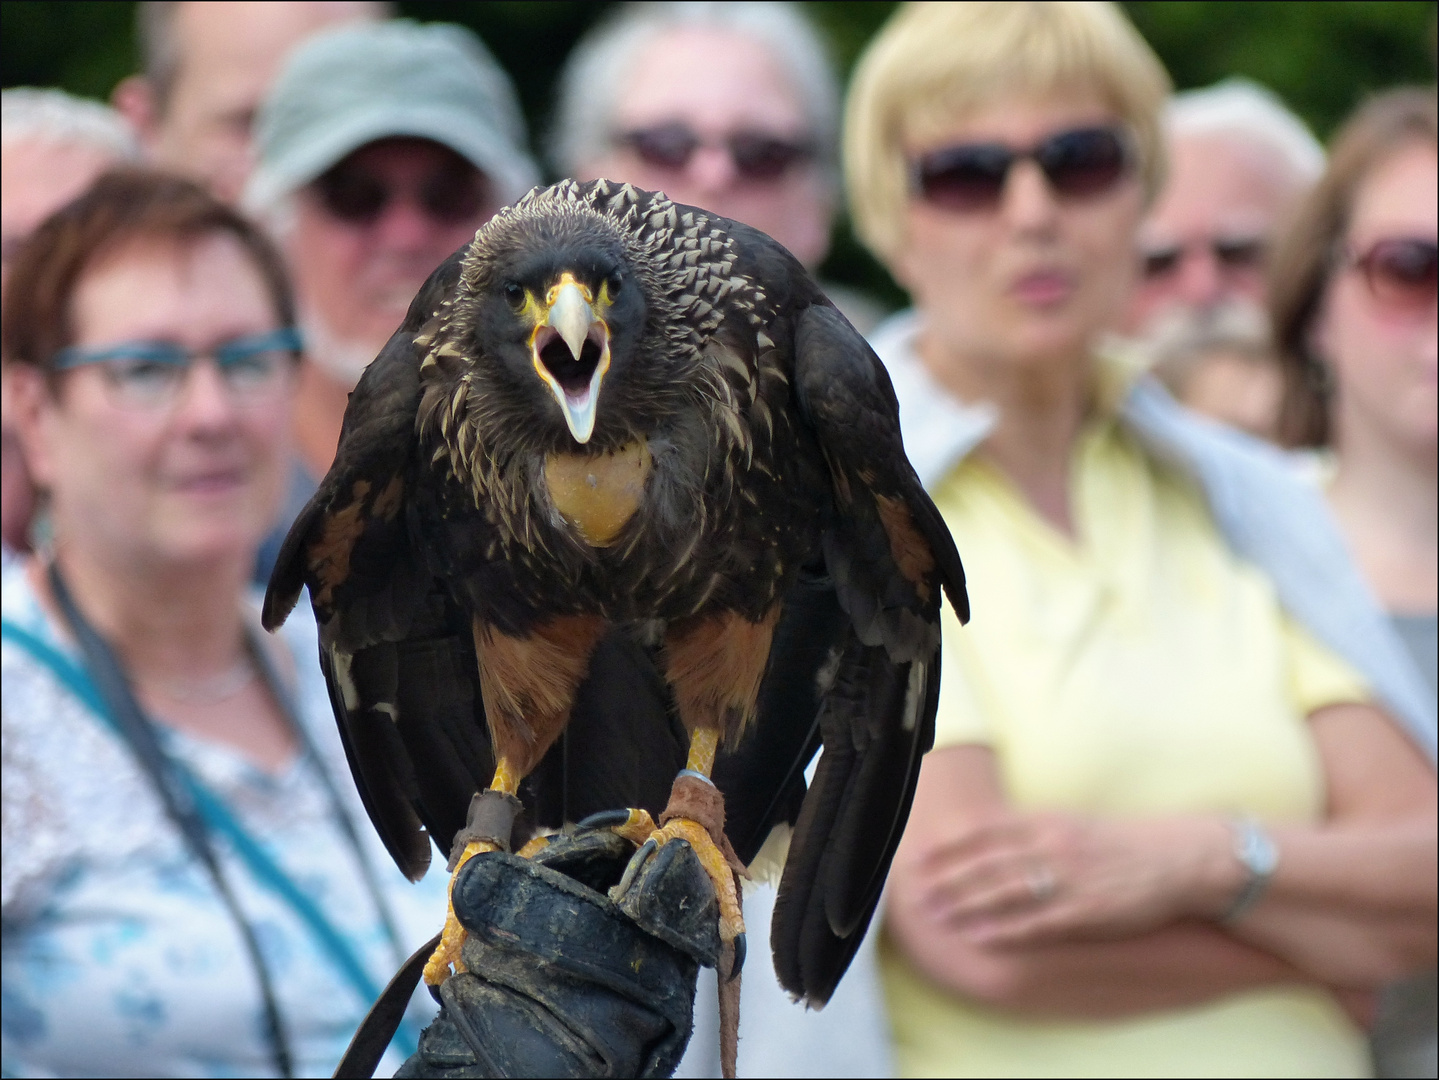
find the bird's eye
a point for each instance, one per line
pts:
(515, 294)
(613, 283)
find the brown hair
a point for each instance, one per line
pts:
(1299, 271)
(123, 207)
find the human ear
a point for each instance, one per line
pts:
(32, 409)
(134, 99)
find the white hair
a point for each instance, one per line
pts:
(603, 62)
(1247, 111)
(53, 116)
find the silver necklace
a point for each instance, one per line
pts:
(215, 689)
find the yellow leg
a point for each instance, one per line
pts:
(506, 779)
(445, 960)
(704, 742)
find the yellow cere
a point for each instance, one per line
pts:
(537, 314)
(568, 278)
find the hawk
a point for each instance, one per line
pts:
(620, 520)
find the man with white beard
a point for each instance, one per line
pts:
(382, 148)
(1238, 161)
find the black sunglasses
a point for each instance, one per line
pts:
(1401, 272)
(756, 155)
(1230, 252)
(971, 176)
(447, 196)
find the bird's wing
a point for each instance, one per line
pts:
(888, 554)
(396, 651)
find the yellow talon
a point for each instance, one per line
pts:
(446, 957)
(638, 828)
(731, 922)
(445, 960)
(534, 847)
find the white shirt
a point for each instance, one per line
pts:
(119, 957)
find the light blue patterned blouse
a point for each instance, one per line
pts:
(119, 959)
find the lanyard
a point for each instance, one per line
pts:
(197, 812)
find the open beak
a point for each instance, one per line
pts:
(571, 353)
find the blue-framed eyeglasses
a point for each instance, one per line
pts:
(151, 373)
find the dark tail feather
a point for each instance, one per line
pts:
(800, 904)
(852, 817)
(881, 790)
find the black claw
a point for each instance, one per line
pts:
(739, 955)
(636, 862)
(604, 819)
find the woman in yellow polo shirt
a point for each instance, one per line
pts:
(1163, 831)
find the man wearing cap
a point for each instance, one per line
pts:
(382, 148)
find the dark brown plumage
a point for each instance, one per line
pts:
(626, 474)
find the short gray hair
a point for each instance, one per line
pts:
(601, 63)
(53, 116)
(159, 49)
(1250, 112)
(159, 45)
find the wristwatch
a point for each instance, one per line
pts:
(1259, 855)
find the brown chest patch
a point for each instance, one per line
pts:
(599, 493)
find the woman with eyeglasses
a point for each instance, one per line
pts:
(1179, 815)
(1353, 300)
(189, 888)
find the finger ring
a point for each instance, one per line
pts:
(1041, 882)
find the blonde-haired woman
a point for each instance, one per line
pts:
(1180, 815)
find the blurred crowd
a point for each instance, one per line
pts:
(1169, 373)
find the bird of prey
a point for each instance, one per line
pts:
(625, 499)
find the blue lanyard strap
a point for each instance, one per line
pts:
(215, 814)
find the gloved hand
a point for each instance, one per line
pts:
(562, 980)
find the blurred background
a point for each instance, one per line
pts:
(1321, 58)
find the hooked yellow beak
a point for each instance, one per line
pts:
(571, 353)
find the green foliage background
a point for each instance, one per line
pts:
(1322, 58)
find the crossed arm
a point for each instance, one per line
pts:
(1129, 925)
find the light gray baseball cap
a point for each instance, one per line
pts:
(353, 85)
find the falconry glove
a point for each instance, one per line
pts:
(564, 981)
